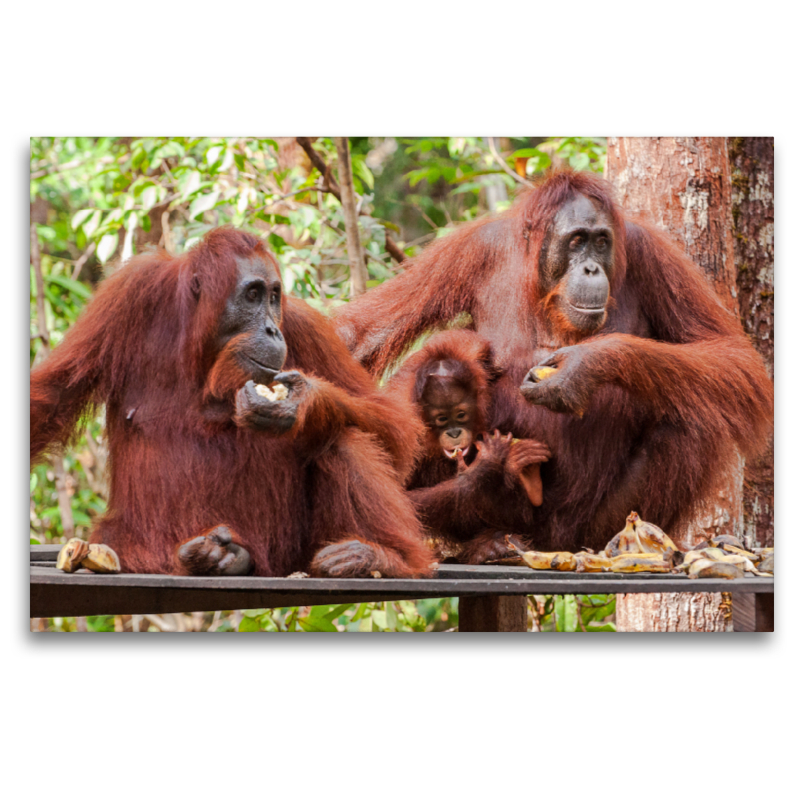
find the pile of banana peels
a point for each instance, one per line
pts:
(643, 547)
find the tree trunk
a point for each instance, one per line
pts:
(752, 161)
(358, 267)
(684, 186)
(673, 613)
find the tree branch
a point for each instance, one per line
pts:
(358, 268)
(502, 163)
(329, 185)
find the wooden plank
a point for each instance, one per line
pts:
(55, 593)
(502, 613)
(744, 613)
(765, 612)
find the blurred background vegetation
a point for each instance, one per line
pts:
(95, 202)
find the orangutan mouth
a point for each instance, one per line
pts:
(455, 451)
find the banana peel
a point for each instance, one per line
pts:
(561, 561)
(706, 568)
(71, 554)
(767, 566)
(640, 562)
(589, 562)
(639, 536)
(95, 557)
(101, 558)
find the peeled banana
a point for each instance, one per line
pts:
(543, 372)
(277, 392)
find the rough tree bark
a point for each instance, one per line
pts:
(684, 186)
(358, 266)
(752, 161)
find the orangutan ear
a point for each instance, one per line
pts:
(194, 285)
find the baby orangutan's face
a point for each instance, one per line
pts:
(449, 410)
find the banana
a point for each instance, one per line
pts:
(277, 392)
(706, 568)
(639, 536)
(640, 562)
(564, 562)
(722, 539)
(96, 557)
(71, 554)
(543, 372)
(589, 562)
(101, 558)
(768, 564)
(738, 551)
(650, 538)
(625, 540)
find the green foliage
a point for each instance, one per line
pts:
(98, 201)
(402, 615)
(575, 613)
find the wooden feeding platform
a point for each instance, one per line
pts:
(491, 598)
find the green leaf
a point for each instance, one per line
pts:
(70, 285)
(316, 625)
(81, 217)
(79, 518)
(204, 202)
(213, 154)
(362, 170)
(526, 152)
(579, 161)
(34, 481)
(249, 625)
(190, 183)
(107, 246)
(149, 197)
(566, 611)
(338, 611)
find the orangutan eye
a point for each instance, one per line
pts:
(253, 294)
(461, 416)
(602, 242)
(441, 420)
(576, 241)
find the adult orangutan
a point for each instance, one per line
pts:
(656, 385)
(207, 475)
(459, 481)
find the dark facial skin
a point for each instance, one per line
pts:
(578, 254)
(253, 314)
(449, 410)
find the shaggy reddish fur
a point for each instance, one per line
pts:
(671, 384)
(146, 347)
(465, 508)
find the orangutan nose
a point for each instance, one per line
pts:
(454, 433)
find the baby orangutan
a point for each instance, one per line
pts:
(466, 477)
